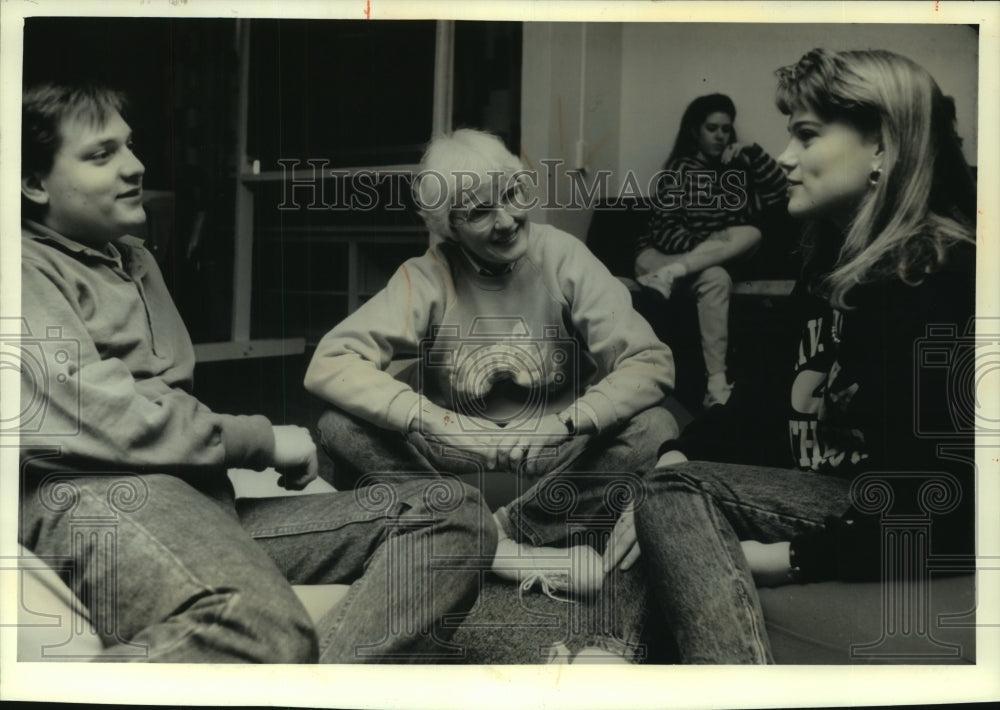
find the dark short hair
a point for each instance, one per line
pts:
(44, 107)
(695, 115)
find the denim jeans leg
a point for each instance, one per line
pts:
(358, 448)
(689, 529)
(165, 574)
(413, 550)
(767, 504)
(592, 488)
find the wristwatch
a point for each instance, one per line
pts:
(568, 422)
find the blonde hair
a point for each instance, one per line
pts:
(924, 199)
(453, 163)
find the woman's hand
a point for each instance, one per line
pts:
(294, 457)
(530, 451)
(731, 152)
(769, 563)
(663, 278)
(623, 546)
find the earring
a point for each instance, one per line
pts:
(874, 176)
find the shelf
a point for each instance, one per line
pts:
(305, 292)
(235, 350)
(304, 170)
(360, 234)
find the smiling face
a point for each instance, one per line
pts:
(493, 224)
(714, 134)
(828, 164)
(93, 193)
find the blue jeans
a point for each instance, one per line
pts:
(586, 485)
(689, 528)
(169, 573)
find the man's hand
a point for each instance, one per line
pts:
(670, 458)
(294, 457)
(623, 546)
(531, 451)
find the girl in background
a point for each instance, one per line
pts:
(704, 218)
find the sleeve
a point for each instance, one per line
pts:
(349, 367)
(669, 230)
(899, 387)
(99, 415)
(769, 183)
(638, 367)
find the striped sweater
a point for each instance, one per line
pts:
(695, 198)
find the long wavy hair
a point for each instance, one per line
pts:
(925, 198)
(695, 114)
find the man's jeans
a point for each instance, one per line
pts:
(168, 574)
(586, 485)
(689, 528)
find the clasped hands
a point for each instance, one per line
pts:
(523, 451)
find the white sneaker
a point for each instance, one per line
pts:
(558, 653)
(560, 571)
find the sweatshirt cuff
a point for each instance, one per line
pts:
(598, 408)
(403, 409)
(586, 412)
(248, 441)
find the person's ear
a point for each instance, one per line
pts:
(33, 188)
(878, 154)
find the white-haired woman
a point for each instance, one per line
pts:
(526, 359)
(875, 168)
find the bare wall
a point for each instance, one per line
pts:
(637, 79)
(664, 66)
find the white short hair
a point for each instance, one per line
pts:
(453, 163)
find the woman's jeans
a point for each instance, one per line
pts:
(587, 484)
(173, 574)
(689, 529)
(711, 288)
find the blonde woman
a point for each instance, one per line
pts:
(874, 167)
